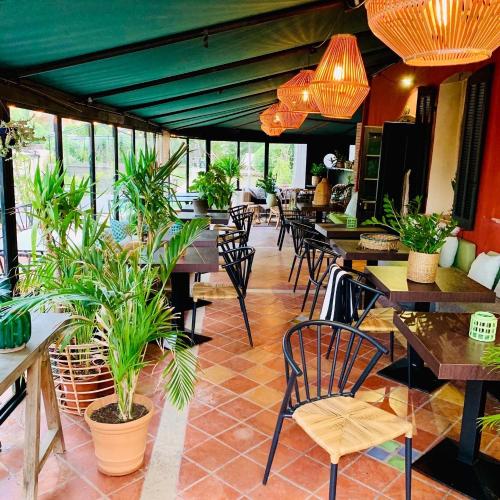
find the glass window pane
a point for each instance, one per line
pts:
(104, 167)
(197, 158)
(159, 146)
(124, 146)
(150, 138)
(223, 148)
(286, 161)
(76, 151)
(179, 177)
(252, 163)
(140, 142)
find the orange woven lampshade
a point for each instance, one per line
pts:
(340, 84)
(437, 32)
(269, 116)
(272, 130)
(279, 115)
(296, 94)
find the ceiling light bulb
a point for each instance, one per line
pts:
(407, 82)
(338, 73)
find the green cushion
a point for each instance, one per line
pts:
(466, 254)
(337, 218)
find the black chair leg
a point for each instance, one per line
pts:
(391, 346)
(292, 268)
(306, 295)
(245, 317)
(280, 236)
(301, 259)
(333, 481)
(408, 453)
(315, 300)
(272, 451)
(193, 322)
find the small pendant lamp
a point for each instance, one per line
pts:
(279, 115)
(269, 116)
(296, 93)
(340, 84)
(437, 32)
(272, 130)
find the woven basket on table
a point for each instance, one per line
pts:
(379, 241)
(422, 267)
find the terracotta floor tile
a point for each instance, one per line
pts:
(421, 489)
(237, 364)
(258, 355)
(371, 472)
(241, 437)
(110, 484)
(197, 408)
(82, 458)
(293, 436)
(75, 489)
(214, 422)
(132, 490)
(421, 440)
(242, 474)
(261, 374)
(306, 473)
(237, 347)
(240, 408)
(348, 489)
(214, 395)
(75, 436)
(54, 473)
(211, 454)
(264, 396)
(283, 456)
(432, 422)
(239, 384)
(217, 355)
(278, 488)
(189, 473)
(264, 422)
(193, 437)
(217, 374)
(210, 487)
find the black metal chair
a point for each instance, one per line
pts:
(285, 215)
(231, 240)
(238, 265)
(317, 253)
(319, 395)
(237, 212)
(300, 232)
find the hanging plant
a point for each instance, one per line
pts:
(15, 136)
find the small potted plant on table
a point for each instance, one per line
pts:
(268, 184)
(423, 234)
(318, 170)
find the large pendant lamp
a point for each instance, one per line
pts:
(340, 84)
(437, 32)
(296, 93)
(272, 130)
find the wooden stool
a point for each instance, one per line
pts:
(34, 361)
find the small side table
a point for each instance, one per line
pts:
(34, 361)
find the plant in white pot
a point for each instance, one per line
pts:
(318, 170)
(268, 184)
(423, 234)
(128, 287)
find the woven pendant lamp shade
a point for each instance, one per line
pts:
(437, 32)
(296, 93)
(272, 130)
(288, 118)
(269, 116)
(340, 84)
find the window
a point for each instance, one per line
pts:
(159, 146)
(104, 167)
(288, 163)
(223, 148)
(252, 163)
(124, 146)
(140, 142)
(179, 177)
(197, 158)
(150, 140)
(76, 151)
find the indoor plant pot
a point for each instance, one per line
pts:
(271, 200)
(422, 267)
(14, 333)
(315, 180)
(119, 448)
(200, 207)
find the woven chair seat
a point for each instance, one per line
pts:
(224, 228)
(378, 320)
(212, 291)
(343, 425)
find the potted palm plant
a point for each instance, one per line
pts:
(423, 234)
(318, 170)
(268, 184)
(127, 287)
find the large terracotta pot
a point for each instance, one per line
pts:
(119, 448)
(422, 267)
(80, 391)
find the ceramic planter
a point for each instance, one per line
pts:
(81, 390)
(14, 333)
(271, 200)
(200, 207)
(315, 180)
(422, 267)
(119, 448)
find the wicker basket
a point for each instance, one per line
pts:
(81, 376)
(422, 267)
(379, 241)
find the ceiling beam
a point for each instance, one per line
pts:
(175, 38)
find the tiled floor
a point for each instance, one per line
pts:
(232, 418)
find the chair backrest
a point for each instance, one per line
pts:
(238, 264)
(300, 232)
(236, 214)
(231, 240)
(310, 376)
(316, 253)
(246, 225)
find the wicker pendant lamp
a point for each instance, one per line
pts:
(272, 130)
(296, 93)
(340, 84)
(437, 32)
(269, 116)
(279, 115)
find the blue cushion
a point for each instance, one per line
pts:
(119, 230)
(175, 228)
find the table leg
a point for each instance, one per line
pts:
(460, 465)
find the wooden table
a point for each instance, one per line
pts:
(442, 341)
(207, 238)
(452, 285)
(215, 217)
(340, 231)
(307, 207)
(34, 360)
(351, 250)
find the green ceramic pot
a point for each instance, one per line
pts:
(14, 334)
